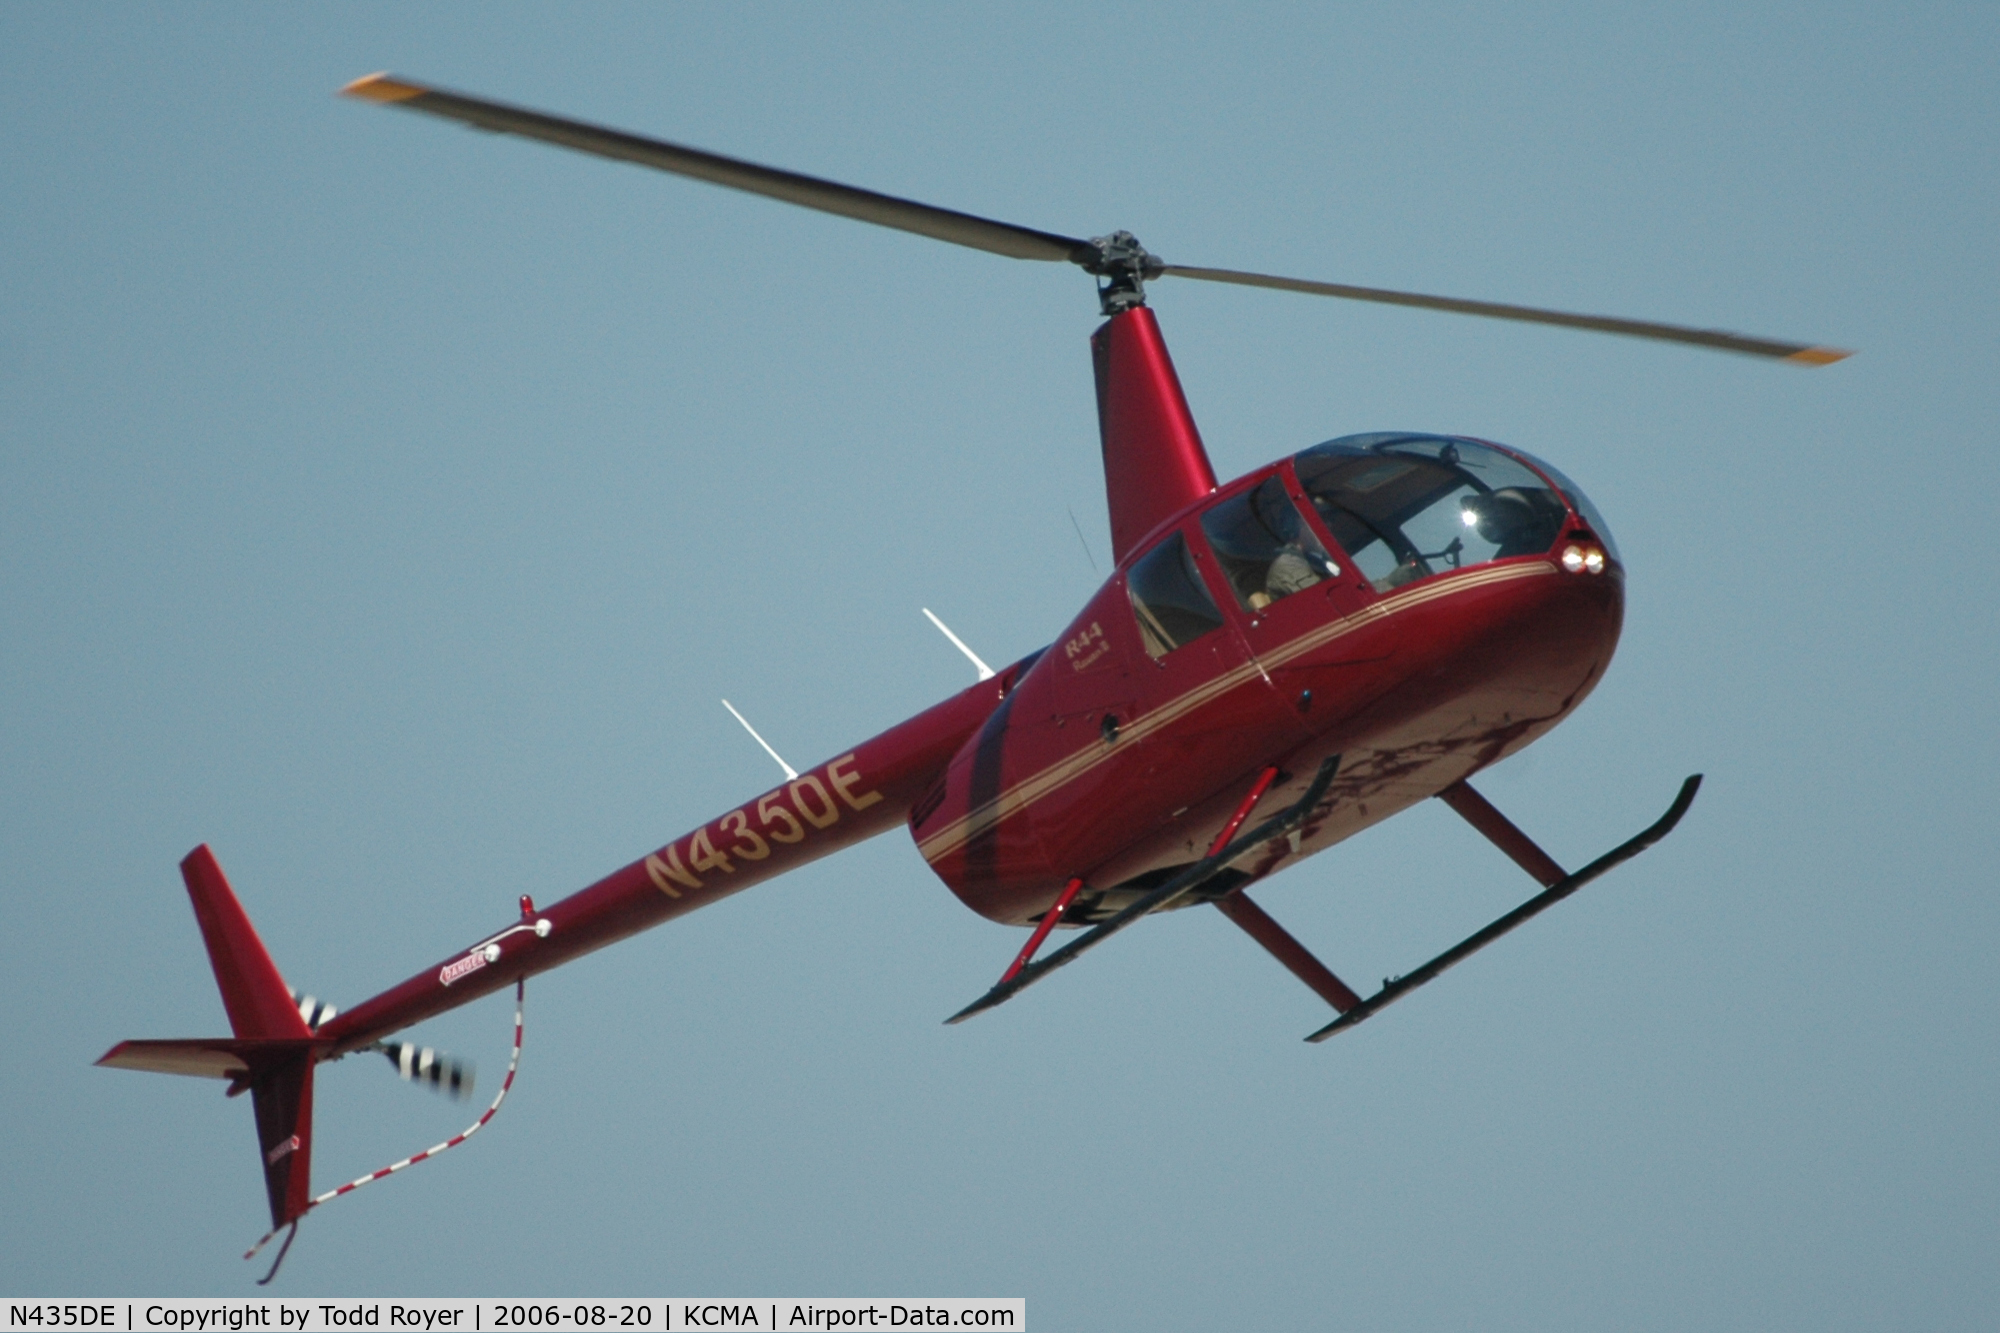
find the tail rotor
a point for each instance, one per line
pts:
(426, 1065)
(316, 1012)
(275, 1044)
(433, 1068)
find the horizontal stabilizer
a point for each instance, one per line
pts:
(272, 1052)
(202, 1057)
(279, 1076)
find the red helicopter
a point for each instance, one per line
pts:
(1275, 664)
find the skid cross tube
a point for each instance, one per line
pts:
(1042, 929)
(1278, 942)
(1165, 896)
(1499, 830)
(1243, 809)
(1395, 990)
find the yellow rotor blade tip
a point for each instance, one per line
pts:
(1819, 356)
(382, 88)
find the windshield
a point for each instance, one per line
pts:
(1406, 507)
(1578, 501)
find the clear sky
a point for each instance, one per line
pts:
(389, 506)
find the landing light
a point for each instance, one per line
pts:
(1579, 559)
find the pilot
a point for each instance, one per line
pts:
(1291, 570)
(1511, 520)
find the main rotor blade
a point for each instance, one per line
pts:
(1802, 354)
(1000, 238)
(884, 210)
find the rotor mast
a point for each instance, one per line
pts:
(1122, 267)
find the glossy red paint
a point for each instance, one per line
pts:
(1278, 942)
(1106, 776)
(1154, 462)
(1243, 809)
(283, 1102)
(1091, 760)
(1093, 766)
(851, 797)
(1416, 690)
(1042, 929)
(253, 994)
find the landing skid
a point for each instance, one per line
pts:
(1238, 907)
(1021, 976)
(1398, 987)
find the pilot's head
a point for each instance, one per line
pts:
(1503, 517)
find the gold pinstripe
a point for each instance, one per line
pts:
(1060, 774)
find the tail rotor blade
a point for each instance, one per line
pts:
(432, 1068)
(314, 1010)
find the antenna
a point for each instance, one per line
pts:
(1081, 542)
(791, 774)
(985, 672)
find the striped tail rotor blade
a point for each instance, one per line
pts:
(433, 1068)
(314, 1010)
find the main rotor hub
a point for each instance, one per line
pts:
(1124, 266)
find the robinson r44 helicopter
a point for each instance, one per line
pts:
(1275, 664)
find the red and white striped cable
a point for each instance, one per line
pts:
(513, 1063)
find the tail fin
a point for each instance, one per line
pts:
(272, 1052)
(259, 1003)
(283, 1095)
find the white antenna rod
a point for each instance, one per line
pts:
(985, 672)
(790, 772)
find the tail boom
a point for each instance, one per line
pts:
(273, 1050)
(846, 800)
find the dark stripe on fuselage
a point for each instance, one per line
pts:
(982, 850)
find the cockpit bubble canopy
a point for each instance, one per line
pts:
(1407, 506)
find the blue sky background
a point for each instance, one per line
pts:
(389, 506)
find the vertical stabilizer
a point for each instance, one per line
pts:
(259, 1005)
(261, 1009)
(1154, 463)
(282, 1095)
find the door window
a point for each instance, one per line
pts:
(1168, 597)
(1266, 550)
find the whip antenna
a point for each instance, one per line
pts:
(985, 672)
(791, 774)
